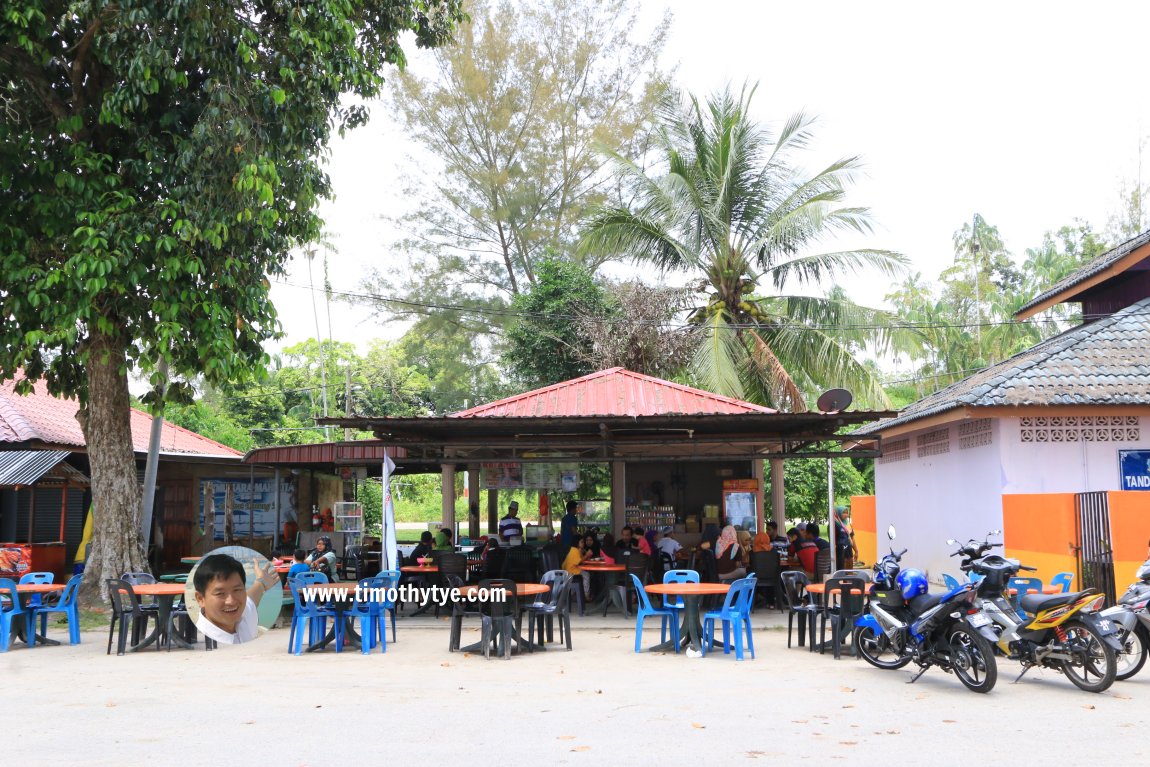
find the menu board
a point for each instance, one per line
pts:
(532, 476)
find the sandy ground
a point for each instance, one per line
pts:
(601, 703)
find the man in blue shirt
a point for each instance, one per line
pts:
(568, 534)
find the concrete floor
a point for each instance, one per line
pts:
(599, 704)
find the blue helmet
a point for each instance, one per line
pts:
(912, 583)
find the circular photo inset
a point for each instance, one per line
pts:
(231, 593)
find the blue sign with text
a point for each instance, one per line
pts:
(1134, 466)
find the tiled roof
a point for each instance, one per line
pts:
(40, 417)
(612, 392)
(1104, 362)
(1100, 264)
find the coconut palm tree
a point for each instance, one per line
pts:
(730, 207)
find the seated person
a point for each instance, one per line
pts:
(575, 557)
(805, 550)
(812, 534)
(607, 550)
(729, 563)
(666, 544)
(626, 540)
(761, 542)
(299, 565)
(591, 542)
(422, 549)
(773, 532)
(642, 541)
(322, 559)
(443, 540)
(228, 610)
(744, 539)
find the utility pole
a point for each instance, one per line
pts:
(347, 406)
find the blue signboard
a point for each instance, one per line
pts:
(1134, 466)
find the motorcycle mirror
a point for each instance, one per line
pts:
(996, 532)
(951, 541)
(890, 532)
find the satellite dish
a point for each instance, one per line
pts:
(834, 401)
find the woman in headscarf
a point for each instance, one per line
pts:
(323, 557)
(729, 562)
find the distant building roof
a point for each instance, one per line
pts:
(1110, 263)
(612, 392)
(1100, 363)
(47, 420)
(24, 467)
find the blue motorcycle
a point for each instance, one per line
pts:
(905, 623)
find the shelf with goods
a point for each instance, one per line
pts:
(349, 521)
(650, 516)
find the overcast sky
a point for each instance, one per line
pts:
(1027, 113)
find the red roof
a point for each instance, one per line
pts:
(612, 392)
(40, 417)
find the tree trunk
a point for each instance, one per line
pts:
(116, 545)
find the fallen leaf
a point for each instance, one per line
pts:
(566, 737)
(251, 722)
(892, 732)
(849, 705)
(846, 689)
(598, 692)
(1089, 707)
(445, 664)
(848, 742)
(466, 655)
(1121, 697)
(110, 705)
(581, 748)
(698, 726)
(948, 721)
(798, 721)
(755, 754)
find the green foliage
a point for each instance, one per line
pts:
(730, 206)
(544, 344)
(805, 480)
(459, 368)
(160, 160)
(210, 422)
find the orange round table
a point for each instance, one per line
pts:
(165, 594)
(189, 560)
(419, 569)
(30, 589)
(820, 589)
(521, 589)
(610, 595)
(1045, 590)
(692, 593)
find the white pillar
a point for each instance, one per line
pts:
(778, 496)
(760, 514)
(448, 470)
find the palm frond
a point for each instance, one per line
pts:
(771, 377)
(718, 358)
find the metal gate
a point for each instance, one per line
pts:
(1095, 554)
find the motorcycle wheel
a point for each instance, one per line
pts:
(972, 659)
(876, 649)
(1095, 666)
(1133, 657)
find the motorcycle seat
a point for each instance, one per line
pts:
(924, 602)
(1033, 603)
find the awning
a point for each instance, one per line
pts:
(25, 467)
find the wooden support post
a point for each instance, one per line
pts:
(618, 496)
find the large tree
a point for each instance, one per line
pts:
(157, 162)
(728, 205)
(506, 129)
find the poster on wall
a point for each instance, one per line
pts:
(1134, 468)
(502, 476)
(258, 496)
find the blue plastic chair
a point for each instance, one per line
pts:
(10, 609)
(35, 600)
(310, 612)
(1065, 580)
(734, 614)
(68, 605)
(1021, 587)
(644, 609)
(950, 581)
(674, 601)
(371, 614)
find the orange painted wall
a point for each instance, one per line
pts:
(1129, 532)
(864, 522)
(1039, 530)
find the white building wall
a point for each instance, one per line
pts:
(935, 490)
(1065, 454)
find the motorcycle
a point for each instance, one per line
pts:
(1065, 633)
(1132, 613)
(904, 623)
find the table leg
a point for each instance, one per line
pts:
(691, 622)
(164, 609)
(349, 631)
(27, 623)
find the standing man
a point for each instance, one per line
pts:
(567, 527)
(510, 528)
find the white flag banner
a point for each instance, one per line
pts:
(389, 556)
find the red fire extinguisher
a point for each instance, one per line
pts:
(316, 519)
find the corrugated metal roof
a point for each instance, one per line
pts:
(1100, 264)
(24, 467)
(42, 417)
(612, 392)
(1101, 363)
